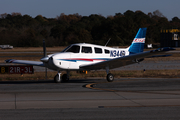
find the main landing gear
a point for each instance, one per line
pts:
(109, 77)
(64, 78)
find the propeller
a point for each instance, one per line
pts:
(45, 57)
(44, 48)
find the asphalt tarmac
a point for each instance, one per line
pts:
(126, 98)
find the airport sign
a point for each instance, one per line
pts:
(16, 69)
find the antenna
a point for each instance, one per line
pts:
(108, 41)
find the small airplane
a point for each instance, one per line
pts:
(6, 47)
(82, 56)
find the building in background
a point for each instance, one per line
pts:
(170, 38)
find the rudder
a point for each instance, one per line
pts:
(138, 42)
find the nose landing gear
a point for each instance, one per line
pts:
(57, 78)
(64, 78)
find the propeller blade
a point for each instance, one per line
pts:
(45, 58)
(44, 48)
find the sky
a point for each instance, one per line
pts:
(53, 8)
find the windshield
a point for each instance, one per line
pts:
(66, 48)
(74, 49)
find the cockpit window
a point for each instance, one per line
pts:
(86, 49)
(74, 49)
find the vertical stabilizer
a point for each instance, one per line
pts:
(138, 42)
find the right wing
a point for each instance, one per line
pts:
(126, 60)
(26, 62)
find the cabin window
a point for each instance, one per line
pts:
(74, 49)
(106, 51)
(98, 50)
(86, 49)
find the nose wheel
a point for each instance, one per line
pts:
(59, 79)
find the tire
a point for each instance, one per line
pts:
(65, 78)
(56, 79)
(110, 77)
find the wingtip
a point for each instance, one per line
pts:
(9, 60)
(168, 48)
(165, 49)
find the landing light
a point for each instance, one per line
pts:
(83, 71)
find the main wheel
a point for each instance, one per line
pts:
(65, 78)
(110, 77)
(56, 79)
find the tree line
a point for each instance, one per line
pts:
(24, 31)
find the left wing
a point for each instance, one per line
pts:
(26, 62)
(126, 60)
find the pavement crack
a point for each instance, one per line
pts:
(120, 96)
(15, 102)
(128, 99)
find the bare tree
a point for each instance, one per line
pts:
(158, 13)
(3, 15)
(16, 14)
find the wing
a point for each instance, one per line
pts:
(26, 62)
(126, 60)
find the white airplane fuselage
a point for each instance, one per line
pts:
(72, 60)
